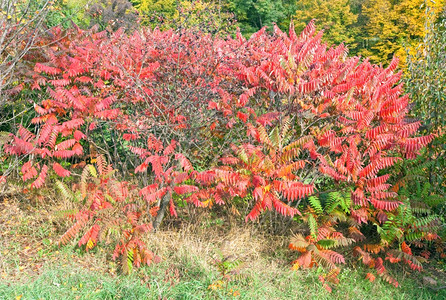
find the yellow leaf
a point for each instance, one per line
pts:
(295, 266)
(90, 244)
(207, 203)
(18, 297)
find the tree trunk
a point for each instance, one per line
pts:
(163, 205)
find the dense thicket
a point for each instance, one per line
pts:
(131, 125)
(426, 82)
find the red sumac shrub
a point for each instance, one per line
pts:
(276, 119)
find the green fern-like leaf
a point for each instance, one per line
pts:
(263, 135)
(312, 224)
(298, 143)
(130, 260)
(425, 190)
(420, 208)
(286, 125)
(315, 203)
(411, 236)
(346, 202)
(65, 191)
(423, 222)
(434, 200)
(337, 199)
(110, 199)
(274, 137)
(92, 170)
(241, 153)
(420, 168)
(327, 243)
(389, 232)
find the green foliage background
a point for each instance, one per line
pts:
(377, 29)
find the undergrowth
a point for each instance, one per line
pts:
(200, 261)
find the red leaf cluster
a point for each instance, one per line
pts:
(208, 120)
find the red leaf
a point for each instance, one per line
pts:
(184, 162)
(242, 116)
(185, 189)
(92, 126)
(60, 170)
(379, 265)
(154, 211)
(78, 135)
(41, 179)
(172, 210)
(65, 144)
(73, 124)
(267, 118)
(28, 171)
(304, 259)
(255, 212)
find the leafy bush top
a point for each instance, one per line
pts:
(271, 120)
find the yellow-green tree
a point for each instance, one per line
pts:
(204, 15)
(380, 33)
(391, 26)
(157, 12)
(334, 16)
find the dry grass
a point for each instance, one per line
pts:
(30, 226)
(246, 245)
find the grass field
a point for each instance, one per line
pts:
(196, 263)
(186, 281)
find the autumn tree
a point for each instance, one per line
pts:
(334, 16)
(67, 12)
(209, 16)
(157, 12)
(389, 26)
(426, 82)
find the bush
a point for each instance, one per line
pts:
(275, 123)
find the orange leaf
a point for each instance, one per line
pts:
(370, 277)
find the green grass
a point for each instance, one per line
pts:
(189, 280)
